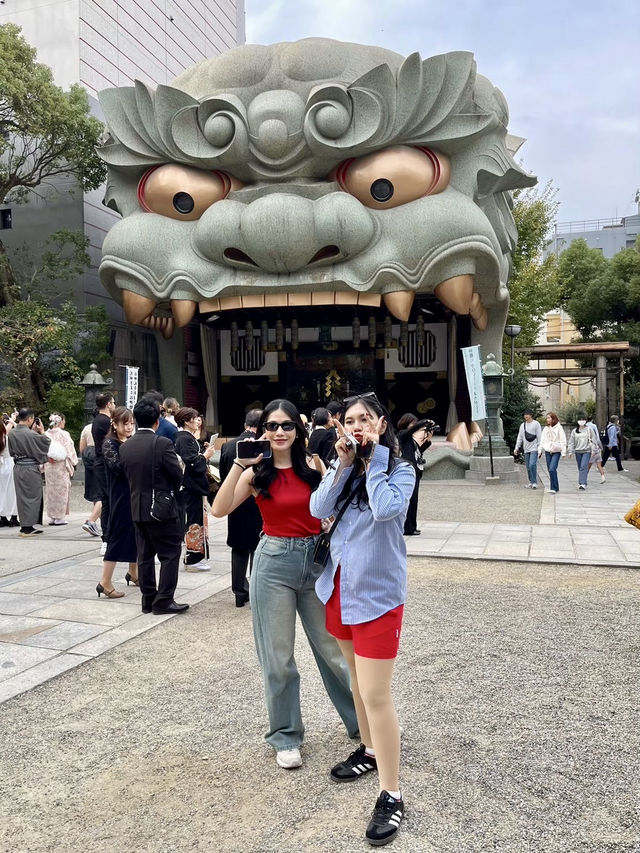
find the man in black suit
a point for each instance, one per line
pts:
(323, 437)
(137, 456)
(244, 523)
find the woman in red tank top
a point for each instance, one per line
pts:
(283, 577)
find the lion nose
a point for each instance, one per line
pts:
(282, 233)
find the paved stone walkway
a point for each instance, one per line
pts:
(51, 619)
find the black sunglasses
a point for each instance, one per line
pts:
(370, 395)
(274, 426)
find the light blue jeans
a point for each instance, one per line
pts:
(283, 584)
(531, 463)
(582, 461)
(552, 460)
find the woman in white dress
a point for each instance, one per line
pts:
(57, 475)
(8, 505)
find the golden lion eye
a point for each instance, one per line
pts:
(181, 192)
(394, 176)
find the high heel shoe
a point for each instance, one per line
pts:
(111, 594)
(129, 579)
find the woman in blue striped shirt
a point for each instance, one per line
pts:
(364, 588)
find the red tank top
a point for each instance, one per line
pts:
(286, 512)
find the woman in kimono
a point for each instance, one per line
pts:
(57, 475)
(8, 504)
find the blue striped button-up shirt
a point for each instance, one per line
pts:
(368, 544)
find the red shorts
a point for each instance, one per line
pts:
(378, 638)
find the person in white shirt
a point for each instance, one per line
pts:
(581, 442)
(528, 437)
(554, 444)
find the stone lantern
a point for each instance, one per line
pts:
(93, 384)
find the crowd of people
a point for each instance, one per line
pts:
(318, 512)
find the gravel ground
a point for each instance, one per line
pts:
(516, 686)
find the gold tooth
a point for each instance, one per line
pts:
(296, 299)
(347, 298)
(370, 300)
(167, 328)
(230, 303)
(255, 300)
(183, 311)
(456, 293)
(323, 297)
(399, 303)
(481, 320)
(207, 305)
(275, 300)
(136, 307)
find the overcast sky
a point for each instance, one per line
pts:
(570, 72)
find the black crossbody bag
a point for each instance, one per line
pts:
(322, 551)
(163, 503)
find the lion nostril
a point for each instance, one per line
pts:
(237, 256)
(325, 254)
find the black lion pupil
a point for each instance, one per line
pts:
(183, 202)
(382, 189)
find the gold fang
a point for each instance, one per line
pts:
(399, 303)
(183, 311)
(456, 293)
(136, 307)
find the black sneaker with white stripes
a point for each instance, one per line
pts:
(385, 820)
(355, 766)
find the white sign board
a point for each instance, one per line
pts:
(131, 386)
(473, 370)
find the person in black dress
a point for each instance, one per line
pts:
(414, 437)
(121, 546)
(195, 487)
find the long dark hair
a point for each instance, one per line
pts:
(265, 471)
(387, 439)
(3, 435)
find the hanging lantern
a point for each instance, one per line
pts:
(234, 336)
(404, 334)
(248, 336)
(279, 335)
(388, 331)
(355, 332)
(372, 331)
(420, 331)
(264, 335)
(294, 334)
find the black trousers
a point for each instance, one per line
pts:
(612, 451)
(165, 540)
(240, 559)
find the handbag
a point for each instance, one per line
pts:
(56, 452)
(633, 516)
(163, 502)
(322, 550)
(530, 436)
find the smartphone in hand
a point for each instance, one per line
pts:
(247, 449)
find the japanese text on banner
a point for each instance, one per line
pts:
(473, 370)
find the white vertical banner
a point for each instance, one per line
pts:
(473, 371)
(131, 386)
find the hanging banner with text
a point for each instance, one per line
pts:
(473, 370)
(131, 386)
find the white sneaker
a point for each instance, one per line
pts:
(626, 470)
(551, 491)
(528, 486)
(581, 486)
(91, 527)
(603, 479)
(534, 486)
(202, 566)
(288, 758)
(103, 549)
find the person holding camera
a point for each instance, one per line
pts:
(414, 437)
(282, 479)
(29, 447)
(363, 587)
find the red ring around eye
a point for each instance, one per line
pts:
(141, 186)
(435, 162)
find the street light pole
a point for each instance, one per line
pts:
(512, 332)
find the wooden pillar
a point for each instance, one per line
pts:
(601, 391)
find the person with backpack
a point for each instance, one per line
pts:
(581, 443)
(611, 443)
(528, 437)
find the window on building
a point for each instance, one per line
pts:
(5, 218)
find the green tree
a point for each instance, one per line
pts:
(534, 286)
(46, 134)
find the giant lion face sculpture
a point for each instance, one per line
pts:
(313, 172)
